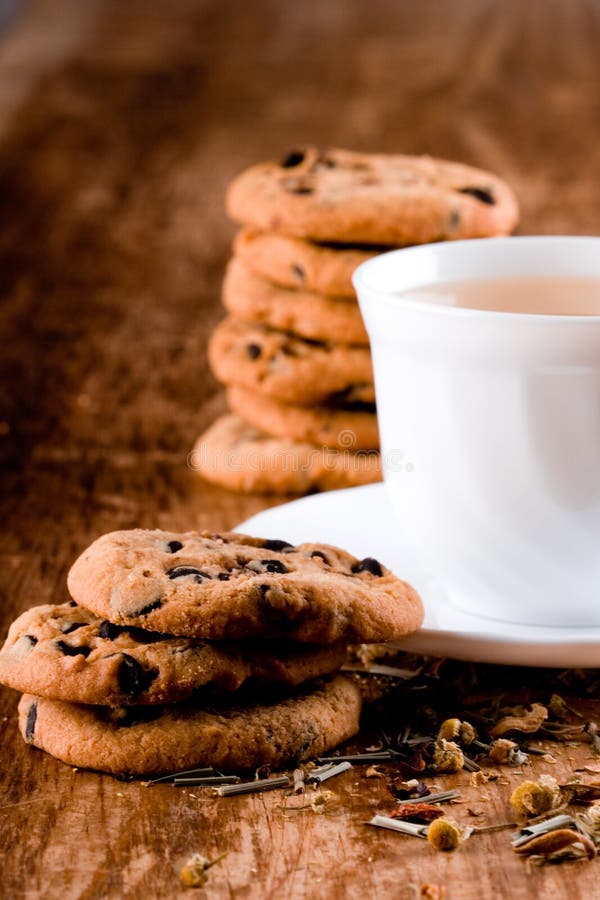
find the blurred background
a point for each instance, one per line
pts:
(121, 125)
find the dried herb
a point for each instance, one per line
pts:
(318, 776)
(411, 828)
(298, 776)
(254, 787)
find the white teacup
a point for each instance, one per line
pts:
(490, 428)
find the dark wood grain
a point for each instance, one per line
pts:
(117, 145)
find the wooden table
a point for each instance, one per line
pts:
(120, 126)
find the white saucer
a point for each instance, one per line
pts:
(361, 521)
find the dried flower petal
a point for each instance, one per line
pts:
(578, 792)
(417, 812)
(526, 721)
(532, 798)
(499, 750)
(405, 790)
(444, 834)
(554, 841)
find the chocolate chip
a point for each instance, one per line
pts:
(31, 719)
(132, 677)
(67, 629)
(72, 603)
(174, 546)
(70, 650)
(368, 565)
(223, 576)
(142, 636)
(299, 272)
(277, 546)
(292, 159)
(253, 351)
(275, 566)
(483, 194)
(156, 604)
(320, 555)
(300, 189)
(109, 631)
(183, 571)
(32, 640)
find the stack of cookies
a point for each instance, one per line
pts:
(293, 352)
(198, 649)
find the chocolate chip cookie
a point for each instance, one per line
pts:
(236, 456)
(339, 195)
(294, 263)
(232, 586)
(348, 427)
(151, 740)
(253, 299)
(287, 368)
(64, 652)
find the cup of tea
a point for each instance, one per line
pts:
(486, 356)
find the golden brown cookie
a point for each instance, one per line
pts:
(64, 652)
(294, 263)
(233, 586)
(371, 198)
(236, 456)
(151, 740)
(350, 428)
(253, 299)
(290, 369)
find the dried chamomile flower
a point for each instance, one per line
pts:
(447, 757)
(195, 871)
(444, 834)
(532, 798)
(454, 729)
(589, 822)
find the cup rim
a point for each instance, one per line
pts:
(360, 279)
